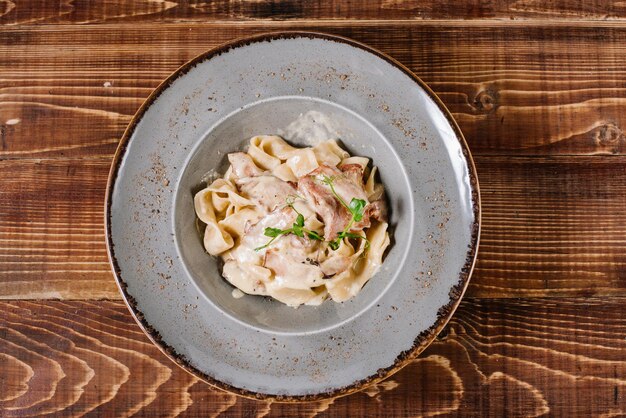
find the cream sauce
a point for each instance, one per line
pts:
(311, 128)
(240, 207)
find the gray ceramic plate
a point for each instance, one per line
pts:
(254, 346)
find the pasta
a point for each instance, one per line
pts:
(298, 224)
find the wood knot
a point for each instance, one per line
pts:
(609, 137)
(485, 101)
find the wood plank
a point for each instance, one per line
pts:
(551, 227)
(54, 12)
(528, 357)
(51, 230)
(515, 89)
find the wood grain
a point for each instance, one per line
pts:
(534, 88)
(81, 12)
(529, 357)
(51, 230)
(538, 88)
(551, 227)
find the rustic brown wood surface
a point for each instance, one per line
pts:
(526, 357)
(538, 88)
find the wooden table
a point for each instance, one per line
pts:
(538, 88)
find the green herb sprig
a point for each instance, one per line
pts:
(356, 209)
(297, 228)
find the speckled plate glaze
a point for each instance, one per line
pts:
(254, 346)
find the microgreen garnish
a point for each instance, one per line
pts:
(356, 206)
(334, 244)
(291, 200)
(314, 235)
(274, 233)
(297, 228)
(356, 209)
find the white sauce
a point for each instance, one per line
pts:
(210, 176)
(288, 268)
(311, 128)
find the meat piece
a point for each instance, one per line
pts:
(243, 166)
(376, 210)
(266, 191)
(347, 185)
(354, 172)
(291, 273)
(333, 214)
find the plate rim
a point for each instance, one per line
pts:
(421, 341)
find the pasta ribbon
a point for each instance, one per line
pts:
(267, 217)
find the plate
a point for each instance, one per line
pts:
(255, 346)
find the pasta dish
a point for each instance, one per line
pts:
(297, 224)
